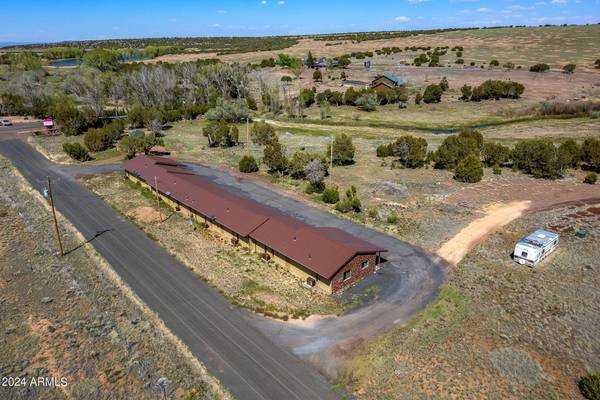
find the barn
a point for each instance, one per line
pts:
(386, 82)
(325, 258)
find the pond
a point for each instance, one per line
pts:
(74, 62)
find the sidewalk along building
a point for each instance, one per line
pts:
(386, 82)
(328, 259)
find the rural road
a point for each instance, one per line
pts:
(246, 362)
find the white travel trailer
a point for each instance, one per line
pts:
(535, 247)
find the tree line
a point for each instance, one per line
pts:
(467, 153)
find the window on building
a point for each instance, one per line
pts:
(524, 254)
(347, 275)
(365, 264)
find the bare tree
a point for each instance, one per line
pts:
(313, 172)
(154, 86)
(88, 87)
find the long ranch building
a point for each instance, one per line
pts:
(326, 258)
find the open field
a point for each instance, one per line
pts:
(555, 46)
(499, 330)
(65, 317)
(241, 276)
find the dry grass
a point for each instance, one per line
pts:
(72, 316)
(499, 330)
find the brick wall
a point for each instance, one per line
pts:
(356, 272)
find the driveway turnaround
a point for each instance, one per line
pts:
(246, 362)
(405, 283)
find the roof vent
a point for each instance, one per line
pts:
(227, 209)
(294, 238)
(168, 193)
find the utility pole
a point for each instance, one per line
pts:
(60, 246)
(157, 198)
(331, 164)
(247, 136)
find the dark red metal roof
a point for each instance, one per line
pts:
(322, 250)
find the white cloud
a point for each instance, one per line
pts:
(559, 2)
(281, 2)
(417, 1)
(263, 2)
(483, 10)
(216, 25)
(402, 18)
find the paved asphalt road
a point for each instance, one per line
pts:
(248, 364)
(19, 127)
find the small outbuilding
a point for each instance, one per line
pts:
(158, 151)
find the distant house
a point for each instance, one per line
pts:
(386, 82)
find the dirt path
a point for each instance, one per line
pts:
(496, 216)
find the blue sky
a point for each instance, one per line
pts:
(37, 21)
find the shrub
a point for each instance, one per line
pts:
(219, 133)
(466, 92)
(70, 119)
(393, 218)
(367, 102)
(330, 195)
(343, 150)
(569, 153)
(569, 68)
(444, 84)
(248, 165)
(262, 133)
(274, 157)
(433, 94)
(317, 76)
(251, 103)
(418, 98)
(76, 151)
(314, 173)
(457, 147)
(137, 116)
(597, 64)
(495, 154)
(385, 150)
(590, 153)
(351, 96)
(306, 97)
(591, 178)
(411, 151)
(286, 79)
(589, 386)
(538, 157)
(493, 89)
(234, 110)
(539, 67)
(497, 170)
(131, 145)
(469, 169)
(494, 63)
(96, 139)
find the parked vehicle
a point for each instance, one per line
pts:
(6, 122)
(535, 247)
